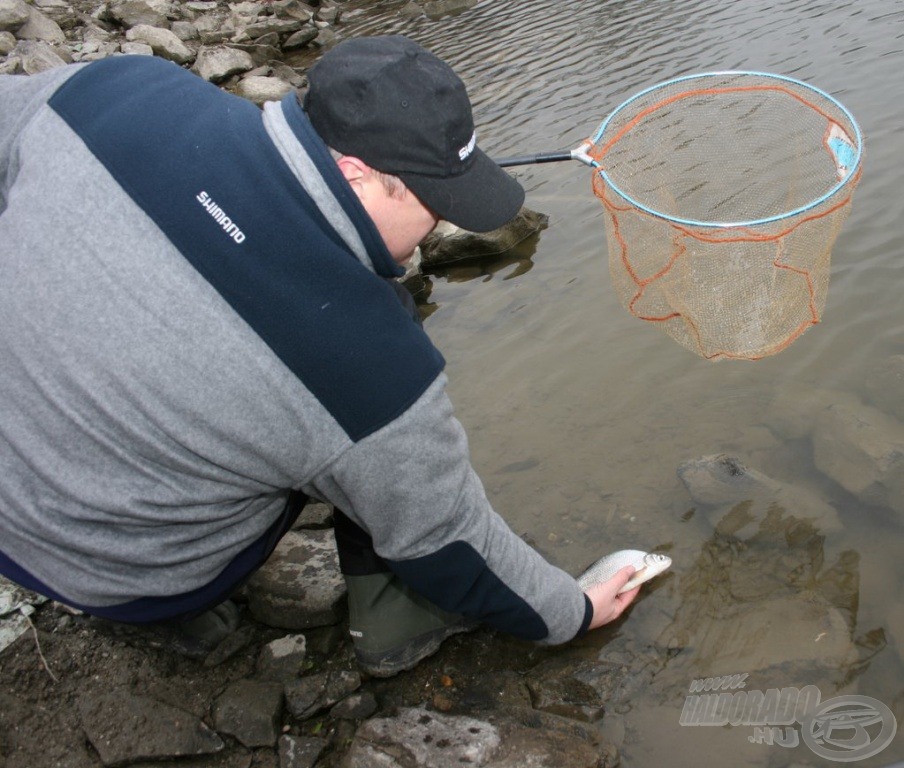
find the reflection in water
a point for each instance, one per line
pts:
(767, 603)
(511, 264)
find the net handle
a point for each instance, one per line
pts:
(578, 153)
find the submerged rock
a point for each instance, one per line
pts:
(885, 385)
(719, 482)
(862, 449)
(770, 606)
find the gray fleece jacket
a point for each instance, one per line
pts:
(195, 321)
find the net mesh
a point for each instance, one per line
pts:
(724, 194)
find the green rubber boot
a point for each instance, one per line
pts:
(392, 627)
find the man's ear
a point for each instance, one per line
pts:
(356, 171)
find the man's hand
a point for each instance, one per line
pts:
(607, 604)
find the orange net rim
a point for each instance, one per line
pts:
(782, 83)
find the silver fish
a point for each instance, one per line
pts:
(646, 566)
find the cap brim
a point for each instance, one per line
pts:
(481, 199)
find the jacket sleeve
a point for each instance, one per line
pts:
(412, 487)
(21, 96)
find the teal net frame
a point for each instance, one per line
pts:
(724, 193)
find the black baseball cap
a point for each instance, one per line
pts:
(403, 111)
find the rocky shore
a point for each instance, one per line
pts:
(256, 49)
(284, 690)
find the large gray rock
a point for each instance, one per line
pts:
(862, 449)
(36, 56)
(40, 27)
(300, 586)
(163, 43)
(218, 63)
(13, 14)
(793, 411)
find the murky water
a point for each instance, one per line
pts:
(578, 413)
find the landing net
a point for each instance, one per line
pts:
(724, 193)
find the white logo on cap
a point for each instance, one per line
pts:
(468, 148)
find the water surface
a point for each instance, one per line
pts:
(579, 414)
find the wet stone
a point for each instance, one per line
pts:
(862, 449)
(498, 689)
(124, 729)
(566, 696)
(250, 710)
(328, 13)
(724, 485)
